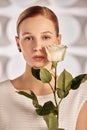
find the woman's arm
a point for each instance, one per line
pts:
(82, 118)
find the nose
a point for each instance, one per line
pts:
(37, 45)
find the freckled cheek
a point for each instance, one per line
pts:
(28, 54)
(26, 49)
(28, 58)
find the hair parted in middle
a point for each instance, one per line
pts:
(38, 10)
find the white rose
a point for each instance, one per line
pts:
(55, 52)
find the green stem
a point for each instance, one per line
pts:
(55, 77)
(55, 95)
(55, 87)
(51, 87)
(58, 110)
(54, 90)
(55, 99)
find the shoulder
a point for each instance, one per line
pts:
(82, 118)
(83, 89)
(80, 94)
(4, 86)
(7, 92)
(84, 84)
(78, 97)
(4, 83)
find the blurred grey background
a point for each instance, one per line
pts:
(72, 15)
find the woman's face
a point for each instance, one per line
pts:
(34, 34)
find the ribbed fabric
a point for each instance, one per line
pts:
(18, 113)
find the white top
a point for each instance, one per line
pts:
(18, 113)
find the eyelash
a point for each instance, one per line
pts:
(46, 37)
(29, 38)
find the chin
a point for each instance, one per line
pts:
(38, 67)
(42, 65)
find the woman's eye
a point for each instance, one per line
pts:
(29, 38)
(46, 37)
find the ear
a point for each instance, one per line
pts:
(59, 38)
(17, 41)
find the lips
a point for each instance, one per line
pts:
(38, 58)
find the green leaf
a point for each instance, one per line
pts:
(51, 121)
(25, 94)
(64, 84)
(64, 81)
(61, 93)
(36, 73)
(45, 75)
(31, 96)
(47, 108)
(78, 80)
(35, 100)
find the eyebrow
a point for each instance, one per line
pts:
(41, 32)
(26, 33)
(47, 32)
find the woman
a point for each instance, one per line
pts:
(38, 27)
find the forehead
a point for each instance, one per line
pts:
(38, 23)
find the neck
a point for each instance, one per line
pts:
(28, 82)
(28, 74)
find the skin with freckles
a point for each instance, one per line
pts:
(34, 33)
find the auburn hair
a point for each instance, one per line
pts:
(38, 10)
